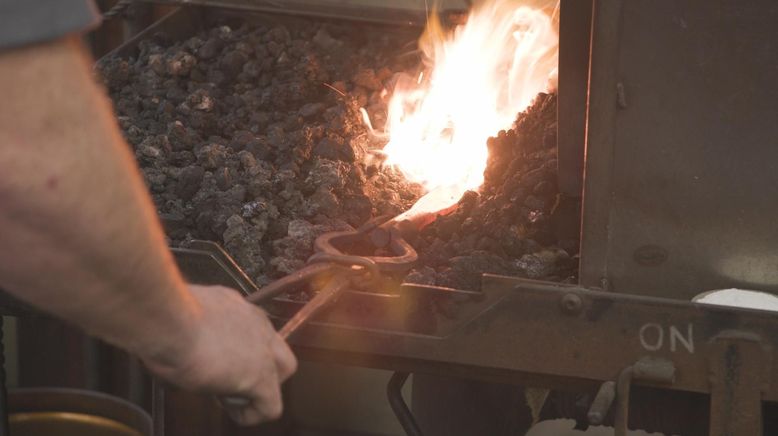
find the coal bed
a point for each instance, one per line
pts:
(251, 136)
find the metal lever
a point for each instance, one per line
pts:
(649, 369)
(322, 299)
(602, 403)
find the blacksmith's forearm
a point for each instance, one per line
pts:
(78, 235)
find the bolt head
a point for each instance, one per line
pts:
(571, 304)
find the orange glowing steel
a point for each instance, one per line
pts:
(480, 76)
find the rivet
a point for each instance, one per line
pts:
(571, 304)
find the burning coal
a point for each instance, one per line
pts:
(478, 77)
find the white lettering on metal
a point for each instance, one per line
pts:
(652, 337)
(687, 341)
(647, 332)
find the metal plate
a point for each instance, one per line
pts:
(682, 155)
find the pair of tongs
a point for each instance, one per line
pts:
(330, 270)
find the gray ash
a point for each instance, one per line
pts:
(251, 136)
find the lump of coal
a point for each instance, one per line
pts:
(238, 240)
(181, 64)
(544, 263)
(334, 149)
(465, 271)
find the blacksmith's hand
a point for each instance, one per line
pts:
(234, 351)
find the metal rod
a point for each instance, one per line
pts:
(158, 407)
(4, 431)
(623, 385)
(276, 288)
(401, 411)
(404, 255)
(738, 378)
(602, 403)
(322, 299)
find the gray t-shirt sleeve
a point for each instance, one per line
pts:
(29, 21)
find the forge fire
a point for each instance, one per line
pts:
(262, 138)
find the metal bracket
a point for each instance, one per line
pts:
(739, 375)
(401, 411)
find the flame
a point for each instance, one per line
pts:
(479, 77)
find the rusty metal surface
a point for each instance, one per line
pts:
(647, 369)
(525, 331)
(413, 311)
(740, 374)
(681, 151)
(404, 255)
(323, 298)
(541, 334)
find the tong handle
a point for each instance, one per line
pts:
(337, 284)
(297, 278)
(323, 298)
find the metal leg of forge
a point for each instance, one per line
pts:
(400, 409)
(3, 392)
(739, 376)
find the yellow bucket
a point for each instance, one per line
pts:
(74, 412)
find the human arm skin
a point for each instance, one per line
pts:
(79, 238)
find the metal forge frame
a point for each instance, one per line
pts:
(675, 119)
